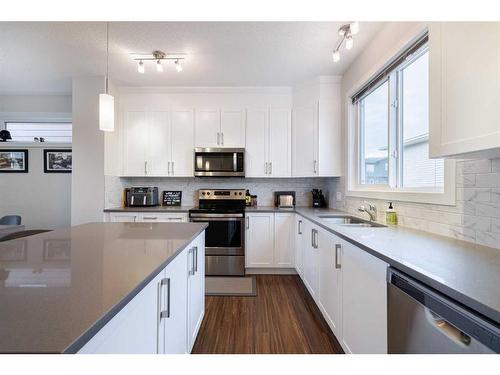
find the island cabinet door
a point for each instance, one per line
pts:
(196, 288)
(134, 329)
(173, 307)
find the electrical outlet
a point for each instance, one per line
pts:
(339, 196)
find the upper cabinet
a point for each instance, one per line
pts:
(464, 78)
(268, 143)
(316, 129)
(219, 128)
(158, 143)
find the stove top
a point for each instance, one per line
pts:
(220, 201)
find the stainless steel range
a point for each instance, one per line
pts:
(224, 211)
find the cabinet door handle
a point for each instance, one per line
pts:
(150, 218)
(222, 138)
(166, 313)
(338, 248)
(218, 139)
(315, 170)
(312, 238)
(173, 168)
(191, 271)
(168, 167)
(265, 167)
(270, 167)
(248, 222)
(195, 259)
(145, 167)
(300, 227)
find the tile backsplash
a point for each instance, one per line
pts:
(264, 188)
(474, 218)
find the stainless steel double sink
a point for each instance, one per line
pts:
(350, 221)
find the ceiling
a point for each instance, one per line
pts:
(41, 57)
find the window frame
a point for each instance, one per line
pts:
(394, 189)
(53, 118)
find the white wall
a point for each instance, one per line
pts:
(87, 186)
(42, 199)
(476, 215)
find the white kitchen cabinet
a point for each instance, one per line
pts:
(364, 301)
(182, 143)
(219, 128)
(207, 128)
(299, 234)
(158, 143)
(305, 141)
(259, 238)
(257, 143)
(232, 128)
(196, 289)
(159, 319)
(464, 68)
(284, 239)
(268, 143)
(310, 258)
(135, 141)
(173, 307)
(162, 217)
(280, 143)
(330, 280)
(123, 217)
(316, 129)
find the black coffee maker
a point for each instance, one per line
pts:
(318, 198)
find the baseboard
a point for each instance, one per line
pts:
(271, 271)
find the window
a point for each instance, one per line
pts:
(389, 131)
(50, 131)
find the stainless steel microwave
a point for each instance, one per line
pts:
(219, 162)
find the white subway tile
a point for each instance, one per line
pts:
(495, 165)
(488, 180)
(476, 166)
(488, 239)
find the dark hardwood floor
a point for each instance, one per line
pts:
(282, 318)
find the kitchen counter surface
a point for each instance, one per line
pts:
(150, 209)
(57, 289)
(466, 272)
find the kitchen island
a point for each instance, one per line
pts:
(103, 288)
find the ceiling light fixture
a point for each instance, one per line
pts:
(178, 66)
(159, 57)
(140, 67)
(346, 33)
(106, 101)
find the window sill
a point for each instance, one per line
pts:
(446, 198)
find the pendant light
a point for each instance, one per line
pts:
(107, 101)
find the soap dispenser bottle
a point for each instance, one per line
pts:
(391, 217)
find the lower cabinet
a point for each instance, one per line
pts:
(310, 258)
(330, 280)
(347, 283)
(123, 217)
(269, 240)
(364, 301)
(196, 289)
(165, 316)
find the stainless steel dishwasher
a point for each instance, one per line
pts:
(420, 320)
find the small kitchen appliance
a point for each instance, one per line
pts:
(219, 162)
(284, 199)
(318, 198)
(142, 196)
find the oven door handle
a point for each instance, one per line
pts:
(205, 219)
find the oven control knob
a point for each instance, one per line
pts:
(208, 193)
(240, 193)
(203, 193)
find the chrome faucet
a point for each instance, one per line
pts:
(370, 209)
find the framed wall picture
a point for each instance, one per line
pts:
(13, 161)
(57, 161)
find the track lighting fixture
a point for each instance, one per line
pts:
(346, 33)
(159, 57)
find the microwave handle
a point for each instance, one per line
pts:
(235, 160)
